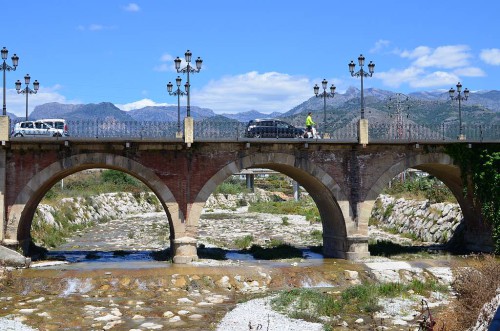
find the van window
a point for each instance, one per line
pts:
(40, 125)
(57, 125)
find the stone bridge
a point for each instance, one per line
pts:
(344, 179)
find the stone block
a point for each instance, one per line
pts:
(363, 132)
(188, 130)
(4, 128)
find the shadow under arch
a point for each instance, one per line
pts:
(22, 212)
(331, 202)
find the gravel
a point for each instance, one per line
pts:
(258, 312)
(12, 325)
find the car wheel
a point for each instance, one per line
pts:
(18, 135)
(57, 134)
(257, 135)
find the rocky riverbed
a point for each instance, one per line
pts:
(116, 293)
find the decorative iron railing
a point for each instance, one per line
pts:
(233, 130)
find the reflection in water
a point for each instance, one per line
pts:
(145, 256)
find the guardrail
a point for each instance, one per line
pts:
(233, 130)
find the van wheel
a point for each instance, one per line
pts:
(257, 135)
(18, 135)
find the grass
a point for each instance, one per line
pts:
(244, 242)
(312, 304)
(305, 207)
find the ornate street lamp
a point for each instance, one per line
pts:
(324, 95)
(5, 67)
(361, 73)
(459, 97)
(178, 93)
(27, 90)
(188, 69)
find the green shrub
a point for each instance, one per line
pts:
(244, 242)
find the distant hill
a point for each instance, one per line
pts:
(433, 107)
(91, 111)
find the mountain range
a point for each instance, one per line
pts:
(482, 107)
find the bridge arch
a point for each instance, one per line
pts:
(332, 203)
(21, 213)
(441, 166)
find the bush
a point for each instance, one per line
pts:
(475, 285)
(244, 242)
(117, 178)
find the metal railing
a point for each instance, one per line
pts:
(444, 132)
(233, 130)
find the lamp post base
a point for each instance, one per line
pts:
(461, 137)
(178, 134)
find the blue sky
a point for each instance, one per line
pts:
(257, 55)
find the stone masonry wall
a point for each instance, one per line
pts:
(106, 206)
(428, 222)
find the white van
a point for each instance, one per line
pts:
(57, 123)
(35, 129)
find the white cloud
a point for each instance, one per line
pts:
(470, 72)
(491, 56)
(432, 67)
(132, 7)
(447, 57)
(434, 79)
(266, 92)
(395, 78)
(140, 104)
(16, 103)
(167, 63)
(379, 45)
(419, 78)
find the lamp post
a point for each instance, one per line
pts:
(188, 69)
(459, 97)
(324, 95)
(5, 67)
(178, 93)
(27, 90)
(361, 73)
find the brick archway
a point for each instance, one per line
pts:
(21, 213)
(332, 203)
(441, 166)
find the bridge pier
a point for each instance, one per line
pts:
(184, 250)
(250, 182)
(349, 248)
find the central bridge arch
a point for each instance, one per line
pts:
(22, 211)
(333, 205)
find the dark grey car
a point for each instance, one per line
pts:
(272, 128)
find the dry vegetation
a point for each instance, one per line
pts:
(475, 285)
